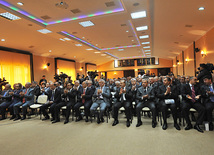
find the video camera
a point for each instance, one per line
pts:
(60, 77)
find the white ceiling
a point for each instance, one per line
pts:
(166, 20)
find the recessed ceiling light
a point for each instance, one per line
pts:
(121, 49)
(142, 28)
(61, 39)
(20, 3)
(140, 14)
(50, 51)
(147, 50)
(96, 44)
(145, 43)
(147, 53)
(83, 37)
(201, 8)
(144, 37)
(86, 23)
(127, 31)
(67, 39)
(97, 52)
(44, 31)
(90, 49)
(132, 40)
(103, 54)
(9, 16)
(78, 44)
(2, 39)
(146, 47)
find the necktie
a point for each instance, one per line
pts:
(144, 90)
(211, 97)
(83, 100)
(193, 94)
(52, 96)
(24, 98)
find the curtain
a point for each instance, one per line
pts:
(67, 67)
(15, 67)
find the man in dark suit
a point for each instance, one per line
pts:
(134, 88)
(15, 99)
(101, 99)
(90, 85)
(84, 98)
(71, 101)
(207, 92)
(5, 99)
(27, 96)
(146, 96)
(124, 99)
(191, 96)
(54, 98)
(68, 97)
(167, 95)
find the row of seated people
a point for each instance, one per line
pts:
(156, 95)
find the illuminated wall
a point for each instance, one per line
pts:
(15, 67)
(67, 67)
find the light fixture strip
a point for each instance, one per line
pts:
(111, 55)
(12, 7)
(132, 26)
(78, 39)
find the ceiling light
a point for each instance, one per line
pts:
(20, 3)
(132, 40)
(9, 16)
(145, 43)
(127, 31)
(90, 49)
(140, 14)
(103, 54)
(141, 28)
(83, 37)
(86, 23)
(147, 53)
(67, 39)
(97, 52)
(2, 39)
(61, 39)
(144, 37)
(120, 49)
(147, 50)
(146, 47)
(78, 44)
(50, 51)
(201, 8)
(44, 31)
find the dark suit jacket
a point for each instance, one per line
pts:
(36, 91)
(141, 93)
(186, 90)
(16, 96)
(205, 96)
(134, 92)
(128, 95)
(70, 96)
(88, 95)
(162, 90)
(202, 74)
(57, 95)
(7, 97)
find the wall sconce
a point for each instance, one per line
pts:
(136, 70)
(203, 54)
(178, 62)
(174, 65)
(81, 68)
(115, 73)
(46, 66)
(186, 60)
